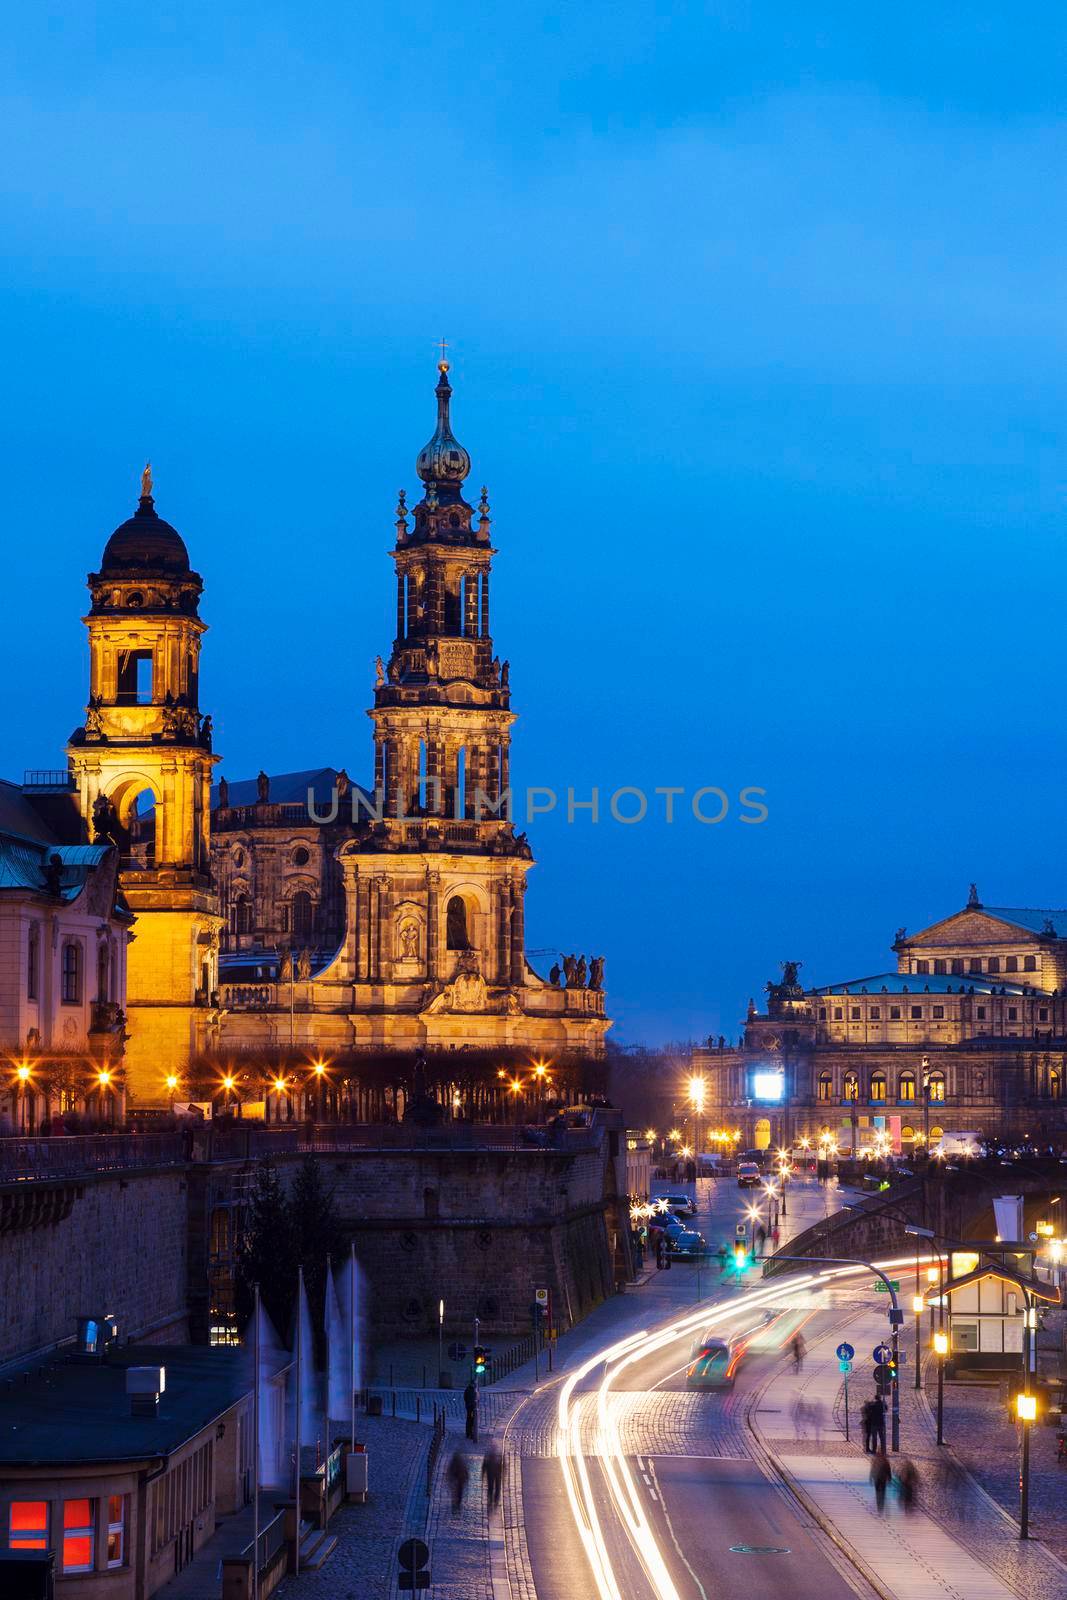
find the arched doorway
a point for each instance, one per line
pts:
(761, 1134)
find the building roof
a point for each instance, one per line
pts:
(924, 983)
(145, 541)
(1035, 921)
(286, 788)
(73, 1410)
(27, 846)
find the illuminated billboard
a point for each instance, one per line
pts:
(768, 1085)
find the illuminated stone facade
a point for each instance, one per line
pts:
(141, 765)
(399, 921)
(968, 1034)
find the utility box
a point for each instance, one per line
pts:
(357, 1477)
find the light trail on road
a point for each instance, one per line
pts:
(623, 1488)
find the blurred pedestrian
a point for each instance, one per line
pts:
(881, 1472)
(493, 1473)
(761, 1239)
(457, 1480)
(870, 1437)
(775, 1235)
(724, 1256)
(797, 1348)
(908, 1484)
(877, 1405)
(659, 1250)
(815, 1417)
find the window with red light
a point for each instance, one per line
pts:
(78, 1532)
(116, 1530)
(28, 1525)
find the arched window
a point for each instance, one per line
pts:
(103, 973)
(936, 1134)
(907, 1134)
(242, 915)
(937, 1086)
(456, 924)
(826, 1086)
(1029, 963)
(33, 961)
(302, 914)
(906, 1086)
(878, 1086)
(1054, 1084)
(852, 1086)
(72, 973)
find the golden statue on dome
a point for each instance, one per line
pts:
(146, 481)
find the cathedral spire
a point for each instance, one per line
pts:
(443, 462)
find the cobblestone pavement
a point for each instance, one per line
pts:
(363, 1567)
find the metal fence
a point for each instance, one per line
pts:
(73, 1155)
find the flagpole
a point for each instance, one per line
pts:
(299, 1400)
(331, 1291)
(255, 1461)
(352, 1341)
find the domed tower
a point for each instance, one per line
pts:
(142, 762)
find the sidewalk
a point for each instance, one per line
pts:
(957, 1544)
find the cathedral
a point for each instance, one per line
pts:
(304, 912)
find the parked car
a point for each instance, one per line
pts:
(714, 1365)
(686, 1241)
(680, 1204)
(748, 1175)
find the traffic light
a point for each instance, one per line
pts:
(480, 1354)
(740, 1257)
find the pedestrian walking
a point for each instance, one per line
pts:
(908, 1485)
(457, 1480)
(659, 1251)
(815, 1417)
(797, 1347)
(878, 1421)
(724, 1256)
(470, 1405)
(493, 1473)
(881, 1472)
(870, 1436)
(775, 1235)
(761, 1239)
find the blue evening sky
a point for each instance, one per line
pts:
(759, 339)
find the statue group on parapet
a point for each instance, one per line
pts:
(302, 968)
(576, 973)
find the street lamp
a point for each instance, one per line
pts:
(22, 1074)
(941, 1351)
(1026, 1411)
(917, 1303)
(320, 1075)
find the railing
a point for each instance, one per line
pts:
(47, 778)
(75, 1155)
(437, 1440)
(70, 1156)
(248, 996)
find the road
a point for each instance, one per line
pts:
(634, 1486)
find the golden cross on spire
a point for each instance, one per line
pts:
(442, 345)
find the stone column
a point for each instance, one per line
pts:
(485, 602)
(361, 902)
(503, 938)
(436, 792)
(433, 959)
(401, 619)
(518, 933)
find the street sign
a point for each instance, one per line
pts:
(541, 1296)
(882, 1352)
(414, 1573)
(896, 1316)
(883, 1376)
(880, 1287)
(845, 1352)
(457, 1352)
(844, 1364)
(740, 1230)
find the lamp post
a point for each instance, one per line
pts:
(320, 1099)
(1026, 1411)
(440, 1344)
(941, 1351)
(698, 1090)
(917, 1304)
(22, 1085)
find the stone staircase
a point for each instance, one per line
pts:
(316, 1546)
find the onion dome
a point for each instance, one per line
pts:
(443, 461)
(145, 541)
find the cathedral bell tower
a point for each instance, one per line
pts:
(142, 763)
(442, 717)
